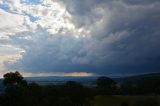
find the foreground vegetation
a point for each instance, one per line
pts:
(118, 100)
(18, 92)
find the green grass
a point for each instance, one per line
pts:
(117, 100)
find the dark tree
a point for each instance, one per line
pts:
(20, 93)
(106, 85)
(14, 78)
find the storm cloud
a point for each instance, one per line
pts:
(102, 37)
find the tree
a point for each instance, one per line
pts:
(18, 93)
(106, 85)
(14, 78)
(14, 83)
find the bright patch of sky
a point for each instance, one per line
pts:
(32, 18)
(4, 6)
(31, 2)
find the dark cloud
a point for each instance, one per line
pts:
(123, 37)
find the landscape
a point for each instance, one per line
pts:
(79, 53)
(140, 90)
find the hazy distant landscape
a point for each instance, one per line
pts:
(86, 81)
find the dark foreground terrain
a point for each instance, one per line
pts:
(119, 100)
(134, 91)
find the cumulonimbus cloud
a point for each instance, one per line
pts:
(99, 37)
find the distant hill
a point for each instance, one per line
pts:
(136, 77)
(88, 81)
(58, 80)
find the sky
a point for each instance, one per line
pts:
(79, 37)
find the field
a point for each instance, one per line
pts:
(130, 100)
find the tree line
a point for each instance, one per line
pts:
(18, 92)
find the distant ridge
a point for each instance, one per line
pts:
(136, 77)
(91, 80)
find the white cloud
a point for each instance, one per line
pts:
(11, 23)
(51, 15)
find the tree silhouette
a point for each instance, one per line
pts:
(14, 78)
(106, 85)
(20, 93)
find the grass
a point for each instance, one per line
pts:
(117, 100)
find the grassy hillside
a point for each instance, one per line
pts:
(130, 100)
